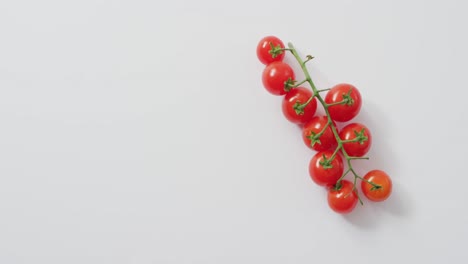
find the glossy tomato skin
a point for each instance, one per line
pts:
(356, 149)
(326, 176)
(343, 112)
(344, 200)
(275, 76)
(299, 95)
(315, 125)
(378, 177)
(264, 47)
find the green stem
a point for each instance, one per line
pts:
(337, 103)
(355, 191)
(334, 153)
(304, 68)
(319, 134)
(344, 174)
(299, 84)
(358, 158)
(324, 90)
(302, 106)
(350, 140)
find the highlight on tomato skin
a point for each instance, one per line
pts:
(380, 178)
(264, 48)
(343, 200)
(275, 76)
(343, 112)
(298, 96)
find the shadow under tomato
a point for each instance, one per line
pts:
(369, 215)
(399, 202)
(364, 216)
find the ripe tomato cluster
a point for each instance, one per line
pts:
(335, 149)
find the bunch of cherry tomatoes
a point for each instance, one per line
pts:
(335, 149)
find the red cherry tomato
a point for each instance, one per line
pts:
(344, 199)
(294, 98)
(325, 174)
(350, 132)
(264, 48)
(343, 112)
(275, 76)
(377, 194)
(326, 141)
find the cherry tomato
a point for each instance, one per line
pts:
(264, 48)
(325, 174)
(326, 141)
(347, 111)
(344, 199)
(358, 148)
(295, 98)
(377, 194)
(275, 77)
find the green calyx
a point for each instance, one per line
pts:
(347, 100)
(360, 137)
(314, 138)
(289, 84)
(299, 108)
(337, 186)
(326, 163)
(275, 51)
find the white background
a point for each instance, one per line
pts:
(139, 132)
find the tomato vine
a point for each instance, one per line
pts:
(341, 104)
